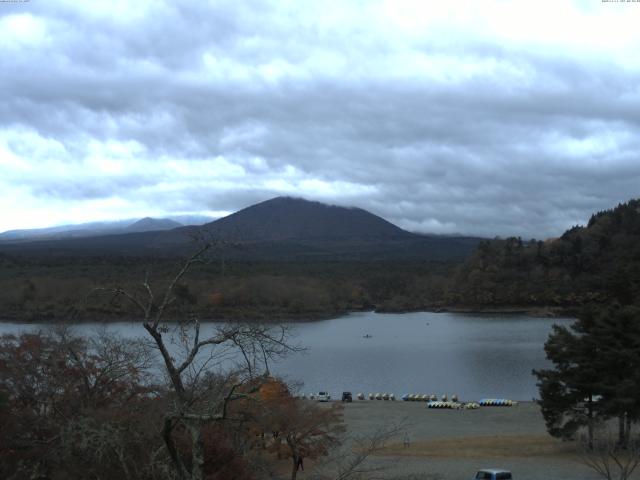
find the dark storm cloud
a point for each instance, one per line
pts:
(199, 107)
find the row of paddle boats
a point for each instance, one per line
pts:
(377, 396)
(454, 405)
(417, 397)
(497, 402)
(444, 402)
(432, 401)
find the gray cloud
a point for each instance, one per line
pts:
(175, 108)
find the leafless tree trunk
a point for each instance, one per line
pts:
(590, 421)
(294, 466)
(193, 406)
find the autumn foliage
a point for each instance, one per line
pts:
(72, 407)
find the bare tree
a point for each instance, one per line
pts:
(354, 462)
(309, 431)
(609, 459)
(188, 356)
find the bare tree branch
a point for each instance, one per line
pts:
(609, 460)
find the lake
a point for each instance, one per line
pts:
(471, 355)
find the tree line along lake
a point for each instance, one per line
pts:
(471, 355)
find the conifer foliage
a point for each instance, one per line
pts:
(596, 374)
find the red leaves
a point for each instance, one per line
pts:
(51, 383)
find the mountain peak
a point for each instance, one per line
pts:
(148, 224)
(282, 228)
(291, 218)
(290, 199)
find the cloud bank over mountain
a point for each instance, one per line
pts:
(487, 119)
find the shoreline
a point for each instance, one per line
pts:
(532, 311)
(544, 312)
(281, 317)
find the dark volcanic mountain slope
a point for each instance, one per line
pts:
(279, 229)
(91, 229)
(148, 224)
(285, 218)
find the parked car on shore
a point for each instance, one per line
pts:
(347, 397)
(493, 474)
(323, 397)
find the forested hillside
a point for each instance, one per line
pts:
(52, 289)
(593, 264)
(596, 263)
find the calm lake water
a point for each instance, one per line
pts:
(471, 355)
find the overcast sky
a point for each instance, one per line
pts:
(477, 117)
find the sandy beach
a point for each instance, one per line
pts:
(454, 444)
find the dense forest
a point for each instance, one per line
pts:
(593, 264)
(56, 289)
(586, 265)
